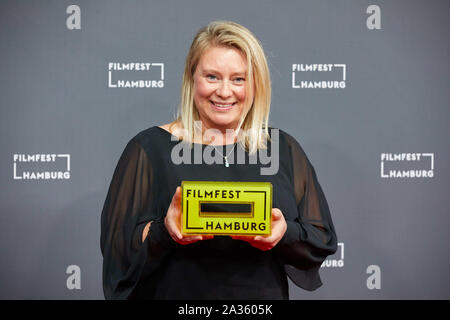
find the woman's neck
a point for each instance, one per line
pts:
(206, 135)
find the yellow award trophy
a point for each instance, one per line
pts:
(226, 208)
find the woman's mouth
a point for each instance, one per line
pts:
(222, 106)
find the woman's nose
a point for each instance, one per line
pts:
(224, 90)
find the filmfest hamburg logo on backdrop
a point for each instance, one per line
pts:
(41, 166)
(319, 76)
(407, 165)
(336, 260)
(135, 75)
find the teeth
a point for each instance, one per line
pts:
(222, 105)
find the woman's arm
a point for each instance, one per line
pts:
(145, 231)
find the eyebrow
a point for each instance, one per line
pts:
(241, 73)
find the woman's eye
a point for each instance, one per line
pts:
(239, 80)
(211, 77)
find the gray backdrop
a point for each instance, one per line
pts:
(57, 100)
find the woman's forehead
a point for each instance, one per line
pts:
(223, 59)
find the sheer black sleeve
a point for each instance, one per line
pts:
(310, 235)
(127, 209)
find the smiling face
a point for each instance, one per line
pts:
(220, 88)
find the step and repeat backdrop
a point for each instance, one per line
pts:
(362, 85)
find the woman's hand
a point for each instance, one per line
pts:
(279, 227)
(173, 222)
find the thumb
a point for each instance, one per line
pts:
(176, 199)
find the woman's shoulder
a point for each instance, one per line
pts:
(151, 139)
(290, 141)
(285, 136)
(152, 134)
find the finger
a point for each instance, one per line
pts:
(191, 238)
(261, 245)
(276, 214)
(176, 235)
(262, 239)
(265, 241)
(173, 229)
(176, 199)
(186, 239)
(243, 238)
(182, 242)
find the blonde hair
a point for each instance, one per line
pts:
(253, 126)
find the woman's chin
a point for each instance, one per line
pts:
(224, 124)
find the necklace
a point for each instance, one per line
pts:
(225, 157)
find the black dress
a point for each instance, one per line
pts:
(141, 190)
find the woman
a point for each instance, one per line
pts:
(225, 102)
